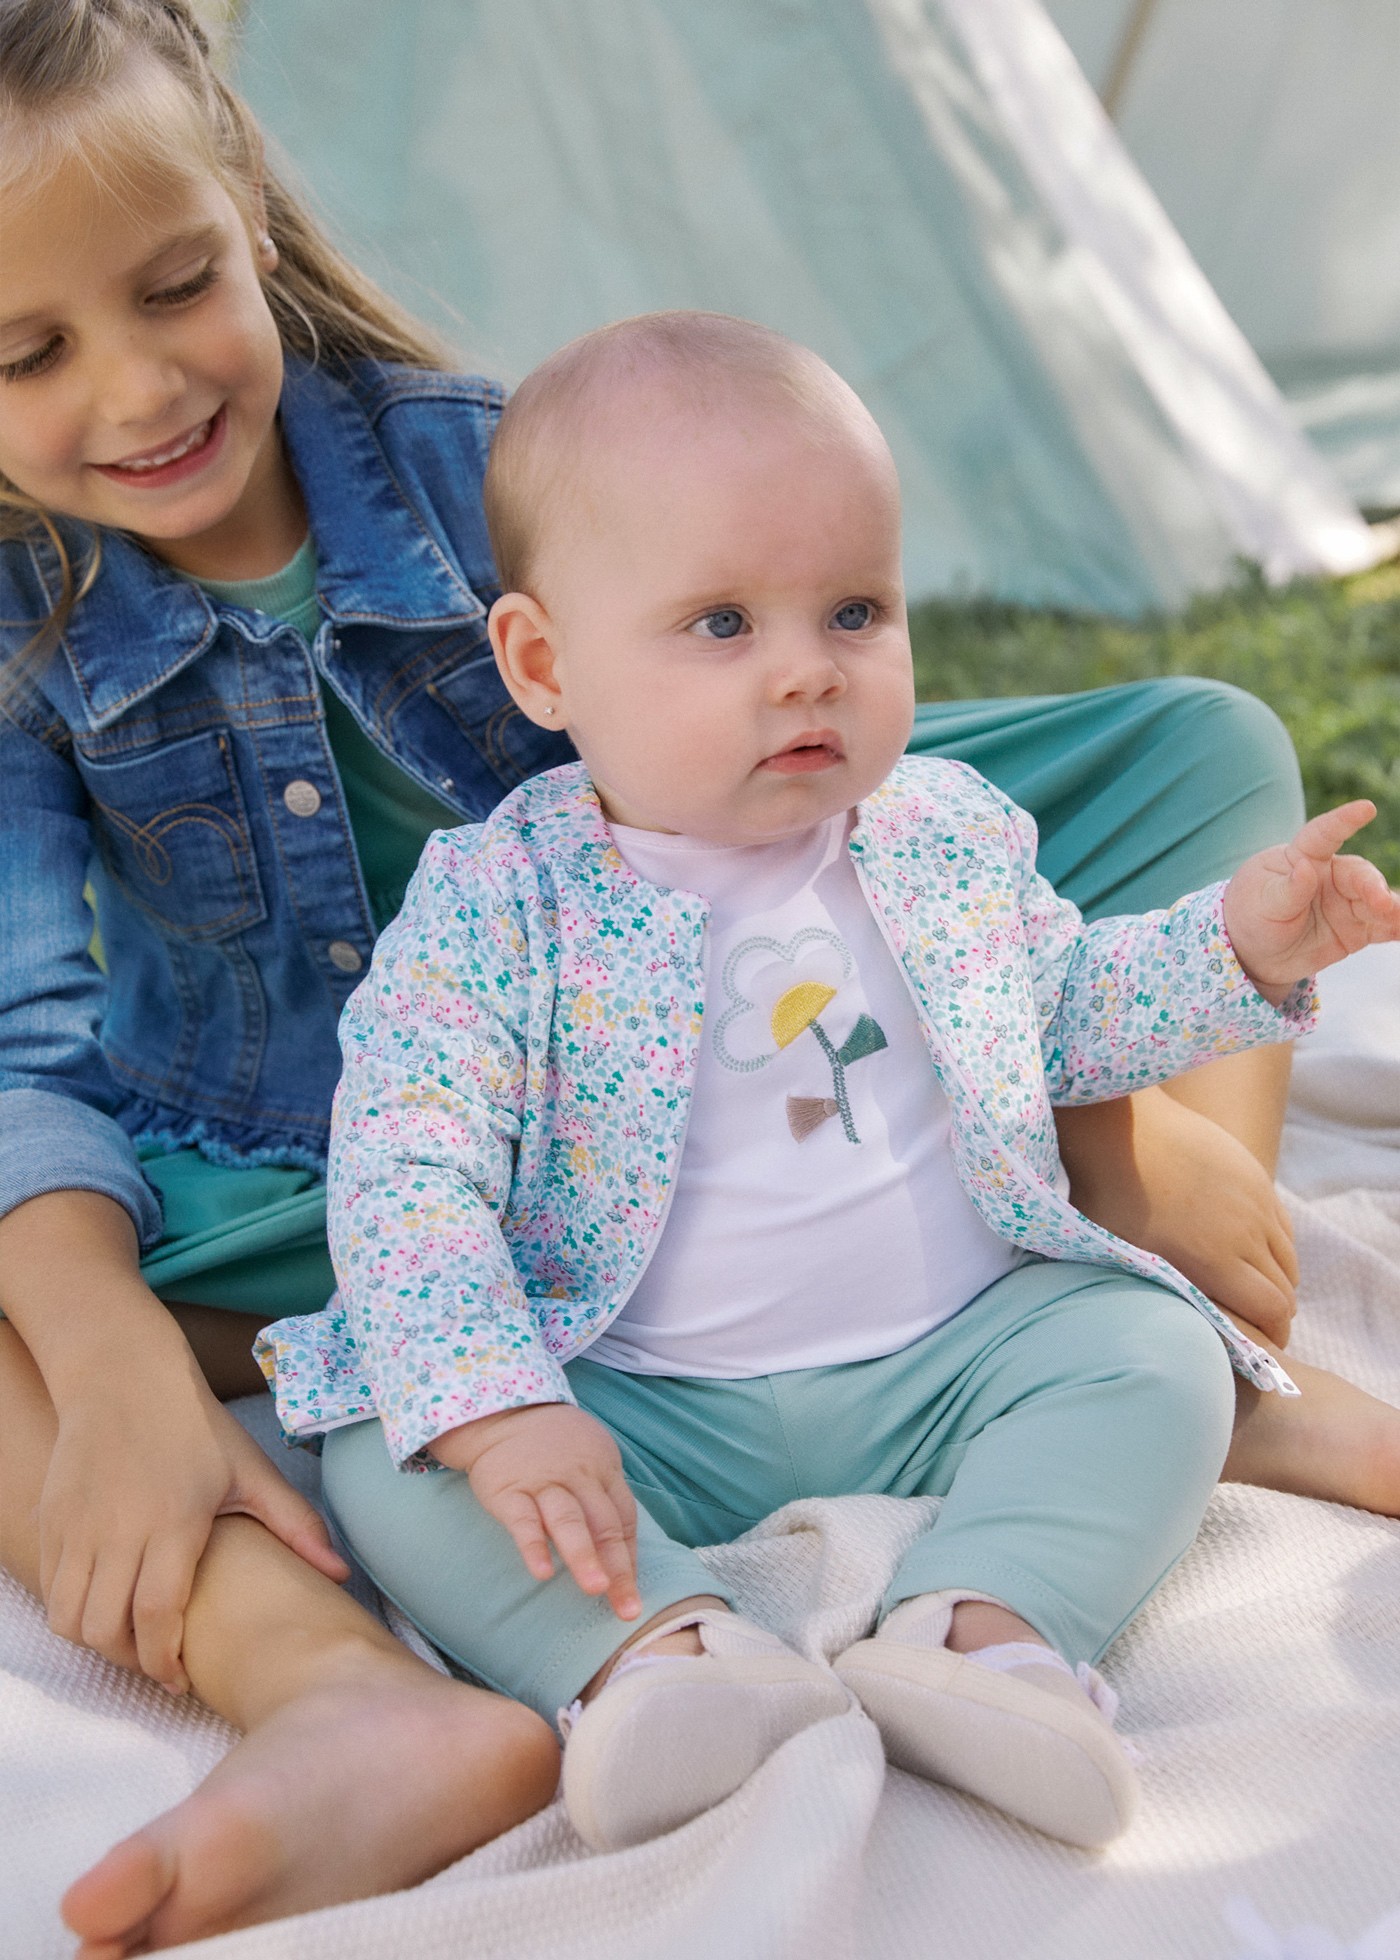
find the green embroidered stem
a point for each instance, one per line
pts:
(838, 1082)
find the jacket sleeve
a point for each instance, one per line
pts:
(57, 1096)
(437, 1047)
(1127, 1002)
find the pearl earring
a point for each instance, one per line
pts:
(549, 711)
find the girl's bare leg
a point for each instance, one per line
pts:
(1333, 1441)
(360, 1771)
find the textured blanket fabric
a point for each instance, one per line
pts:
(1262, 1685)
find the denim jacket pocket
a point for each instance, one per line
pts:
(171, 828)
(512, 747)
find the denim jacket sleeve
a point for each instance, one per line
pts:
(57, 1130)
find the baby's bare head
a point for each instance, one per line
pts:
(583, 410)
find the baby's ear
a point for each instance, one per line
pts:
(522, 639)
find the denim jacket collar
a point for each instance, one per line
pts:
(375, 559)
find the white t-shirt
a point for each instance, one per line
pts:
(816, 1217)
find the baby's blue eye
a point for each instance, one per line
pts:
(722, 625)
(854, 616)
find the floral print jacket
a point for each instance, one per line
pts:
(518, 1066)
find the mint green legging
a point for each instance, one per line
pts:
(1074, 1420)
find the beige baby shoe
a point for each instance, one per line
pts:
(1014, 1725)
(669, 1735)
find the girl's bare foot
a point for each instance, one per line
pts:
(379, 1776)
(1334, 1441)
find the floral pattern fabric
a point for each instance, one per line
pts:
(518, 1063)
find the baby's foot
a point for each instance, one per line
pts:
(376, 1779)
(669, 1736)
(1011, 1724)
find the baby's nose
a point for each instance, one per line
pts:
(806, 668)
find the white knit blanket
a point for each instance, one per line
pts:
(1262, 1686)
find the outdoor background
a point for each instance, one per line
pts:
(1120, 279)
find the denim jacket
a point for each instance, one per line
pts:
(173, 753)
(519, 1065)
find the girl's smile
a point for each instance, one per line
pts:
(140, 369)
(171, 462)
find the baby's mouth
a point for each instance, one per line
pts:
(807, 754)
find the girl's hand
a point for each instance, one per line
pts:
(144, 1458)
(1296, 908)
(137, 1477)
(553, 1473)
(1168, 1179)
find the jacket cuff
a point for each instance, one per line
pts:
(408, 1434)
(1295, 1015)
(50, 1142)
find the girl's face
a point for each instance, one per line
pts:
(140, 370)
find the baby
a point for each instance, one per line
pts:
(695, 1152)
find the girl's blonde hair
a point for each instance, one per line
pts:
(65, 70)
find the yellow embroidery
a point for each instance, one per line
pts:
(798, 1008)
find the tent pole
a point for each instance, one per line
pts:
(1121, 68)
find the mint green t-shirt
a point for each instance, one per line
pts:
(253, 1239)
(391, 815)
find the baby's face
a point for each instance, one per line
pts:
(730, 632)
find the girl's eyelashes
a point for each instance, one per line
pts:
(724, 623)
(34, 363)
(174, 296)
(188, 288)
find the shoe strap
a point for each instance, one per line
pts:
(636, 1656)
(1013, 1654)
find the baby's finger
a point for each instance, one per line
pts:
(158, 1607)
(616, 1549)
(627, 1511)
(1323, 836)
(520, 1515)
(1363, 885)
(567, 1525)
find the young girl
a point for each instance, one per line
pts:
(243, 587)
(694, 1151)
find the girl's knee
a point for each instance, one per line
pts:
(1236, 738)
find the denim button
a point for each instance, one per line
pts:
(303, 799)
(344, 957)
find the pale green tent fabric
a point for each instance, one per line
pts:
(1269, 130)
(924, 190)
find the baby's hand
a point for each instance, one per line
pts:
(552, 1472)
(1298, 907)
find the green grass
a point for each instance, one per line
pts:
(1324, 654)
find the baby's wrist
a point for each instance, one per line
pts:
(460, 1448)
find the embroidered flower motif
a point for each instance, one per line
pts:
(750, 1031)
(757, 974)
(867, 1037)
